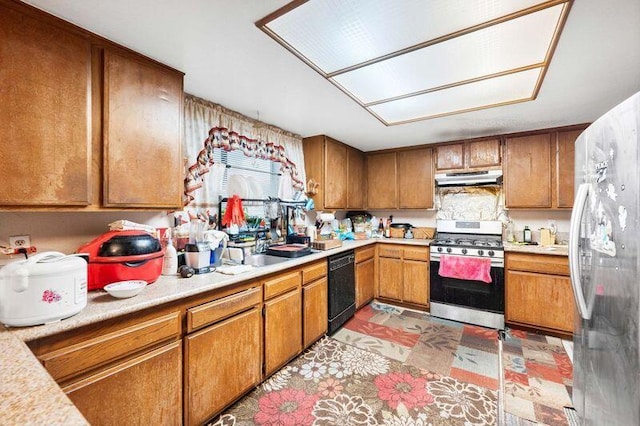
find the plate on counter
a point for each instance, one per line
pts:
(125, 289)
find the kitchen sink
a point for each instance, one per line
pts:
(263, 260)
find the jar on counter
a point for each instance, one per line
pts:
(526, 234)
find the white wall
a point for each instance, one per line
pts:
(66, 231)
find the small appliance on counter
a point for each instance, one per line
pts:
(122, 256)
(45, 288)
(198, 256)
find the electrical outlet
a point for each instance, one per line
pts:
(20, 241)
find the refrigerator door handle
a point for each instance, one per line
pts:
(582, 196)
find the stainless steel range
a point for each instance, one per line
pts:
(467, 272)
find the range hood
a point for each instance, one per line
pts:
(486, 177)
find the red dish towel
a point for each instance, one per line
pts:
(465, 268)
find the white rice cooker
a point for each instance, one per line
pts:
(45, 288)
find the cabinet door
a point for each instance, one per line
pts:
(315, 316)
(450, 157)
(528, 171)
(45, 115)
(485, 153)
(365, 279)
(223, 361)
(335, 196)
(565, 160)
(145, 390)
(282, 330)
(415, 179)
(357, 182)
(142, 133)
(416, 282)
(390, 278)
(540, 300)
(382, 181)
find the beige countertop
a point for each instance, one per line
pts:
(556, 250)
(28, 395)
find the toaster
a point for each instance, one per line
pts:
(44, 288)
(122, 256)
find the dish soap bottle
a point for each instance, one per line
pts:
(170, 261)
(527, 234)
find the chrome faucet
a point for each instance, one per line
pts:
(261, 246)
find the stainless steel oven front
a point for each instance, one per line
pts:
(470, 301)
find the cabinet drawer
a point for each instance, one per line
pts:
(365, 253)
(393, 252)
(544, 264)
(314, 271)
(281, 284)
(74, 359)
(416, 253)
(222, 308)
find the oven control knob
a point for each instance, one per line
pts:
(480, 252)
(448, 249)
(491, 253)
(439, 249)
(464, 251)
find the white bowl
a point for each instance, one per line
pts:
(124, 289)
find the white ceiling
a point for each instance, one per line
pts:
(228, 60)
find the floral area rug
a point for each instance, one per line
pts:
(333, 383)
(537, 377)
(464, 352)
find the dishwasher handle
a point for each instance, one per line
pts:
(341, 262)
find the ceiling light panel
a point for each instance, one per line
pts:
(337, 34)
(505, 47)
(509, 88)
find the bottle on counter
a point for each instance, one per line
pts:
(387, 228)
(170, 261)
(526, 234)
(381, 228)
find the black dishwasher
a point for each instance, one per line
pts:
(342, 289)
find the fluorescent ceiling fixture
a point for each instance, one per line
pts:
(386, 52)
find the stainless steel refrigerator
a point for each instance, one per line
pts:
(604, 261)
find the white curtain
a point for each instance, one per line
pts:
(202, 182)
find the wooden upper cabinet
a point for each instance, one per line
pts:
(415, 179)
(45, 112)
(356, 180)
(382, 184)
(141, 133)
(564, 167)
(528, 171)
(335, 196)
(483, 153)
(450, 157)
(474, 154)
(338, 169)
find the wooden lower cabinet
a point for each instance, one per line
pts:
(538, 292)
(365, 281)
(415, 277)
(223, 361)
(390, 278)
(403, 274)
(315, 316)
(282, 329)
(144, 390)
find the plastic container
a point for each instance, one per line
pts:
(170, 261)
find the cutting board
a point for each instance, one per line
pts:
(289, 250)
(326, 244)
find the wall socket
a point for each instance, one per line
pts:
(20, 241)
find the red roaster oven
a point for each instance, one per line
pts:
(121, 256)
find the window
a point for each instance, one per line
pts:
(248, 177)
